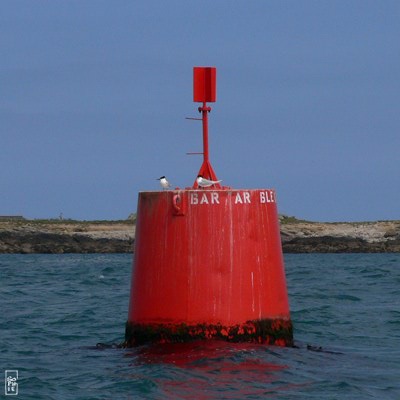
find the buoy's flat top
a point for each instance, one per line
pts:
(178, 190)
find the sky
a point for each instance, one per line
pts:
(94, 96)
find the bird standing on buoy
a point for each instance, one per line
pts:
(164, 182)
(203, 182)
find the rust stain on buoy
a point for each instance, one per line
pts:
(208, 262)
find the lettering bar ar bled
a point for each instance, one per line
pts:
(243, 197)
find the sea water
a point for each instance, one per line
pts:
(55, 309)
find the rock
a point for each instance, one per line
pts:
(351, 237)
(63, 236)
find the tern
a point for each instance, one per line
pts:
(163, 182)
(203, 182)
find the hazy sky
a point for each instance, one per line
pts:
(94, 95)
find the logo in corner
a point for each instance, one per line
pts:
(11, 385)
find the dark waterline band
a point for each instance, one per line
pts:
(277, 332)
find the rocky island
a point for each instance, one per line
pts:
(339, 237)
(67, 236)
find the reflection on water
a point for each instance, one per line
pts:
(212, 369)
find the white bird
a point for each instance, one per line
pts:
(163, 182)
(203, 182)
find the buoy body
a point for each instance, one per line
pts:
(208, 264)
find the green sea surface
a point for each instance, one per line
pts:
(55, 309)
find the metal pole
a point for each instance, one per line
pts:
(205, 110)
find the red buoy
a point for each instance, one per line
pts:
(208, 261)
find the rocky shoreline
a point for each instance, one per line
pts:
(341, 237)
(55, 236)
